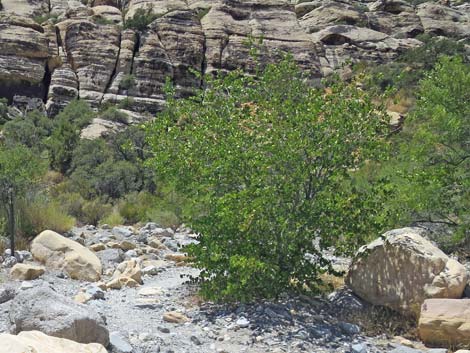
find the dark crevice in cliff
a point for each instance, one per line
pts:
(222, 48)
(46, 82)
(204, 60)
(114, 72)
(135, 51)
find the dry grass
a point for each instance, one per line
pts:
(401, 103)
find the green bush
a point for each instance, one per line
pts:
(266, 157)
(113, 219)
(94, 211)
(141, 19)
(42, 214)
(114, 114)
(127, 82)
(433, 160)
(3, 108)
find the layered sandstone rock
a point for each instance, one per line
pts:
(402, 269)
(24, 53)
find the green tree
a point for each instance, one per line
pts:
(19, 169)
(269, 158)
(434, 158)
(66, 133)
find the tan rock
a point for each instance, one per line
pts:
(58, 252)
(98, 247)
(131, 269)
(156, 244)
(82, 297)
(175, 317)
(150, 291)
(177, 257)
(120, 282)
(445, 323)
(26, 272)
(402, 269)
(127, 245)
(38, 342)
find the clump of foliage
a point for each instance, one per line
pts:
(434, 156)
(3, 111)
(19, 170)
(141, 19)
(113, 114)
(411, 66)
(269, 157)
(127, 82)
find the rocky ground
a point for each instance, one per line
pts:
(164, 314)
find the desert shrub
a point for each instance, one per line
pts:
(114, 114)
(126, 103)
(113, 219)
(41, 214)
(93, 211)
(141, 19)
(266, 157)
(165, 218)
(127, 82)
(3, 109)
(30, 130)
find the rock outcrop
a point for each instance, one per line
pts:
(402, 269)
(87, 51)
(38, 342)
(445, 323)
(42, 309)
(60, 253)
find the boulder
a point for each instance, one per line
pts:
(445, 323)
(58, 252)
(42, 309)
(175, 317)
(26, 272)
(38, 342)
(402, 269)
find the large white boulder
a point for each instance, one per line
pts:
(402, 269)
(58, 252)
(38, 342)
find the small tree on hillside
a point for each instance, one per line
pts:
(268, 159)
(19, 170)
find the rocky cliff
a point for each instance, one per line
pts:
(58, 50)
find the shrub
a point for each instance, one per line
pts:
(141, 19)
(94, 211)
(266, 156)
(113, 219)
(114, 114)
(3, 108)
(165, 218)
(126, 103)
(41, 214)
(127, 82)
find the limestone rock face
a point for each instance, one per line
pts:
(26, 272)
(38, 342)
(445, 323)
(44, 310)
(402, 269)
(58, 252)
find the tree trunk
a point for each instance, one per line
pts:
(11, 221)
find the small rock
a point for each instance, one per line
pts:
(358, 348)
(98, 247)
(122, 231)
(131, 254)
(163, 329)
(6, 294)
(242, 322)
(175, 317)
(95, 291)
(119, 344)
(10, 261)
(196, 341)
(349, 329)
